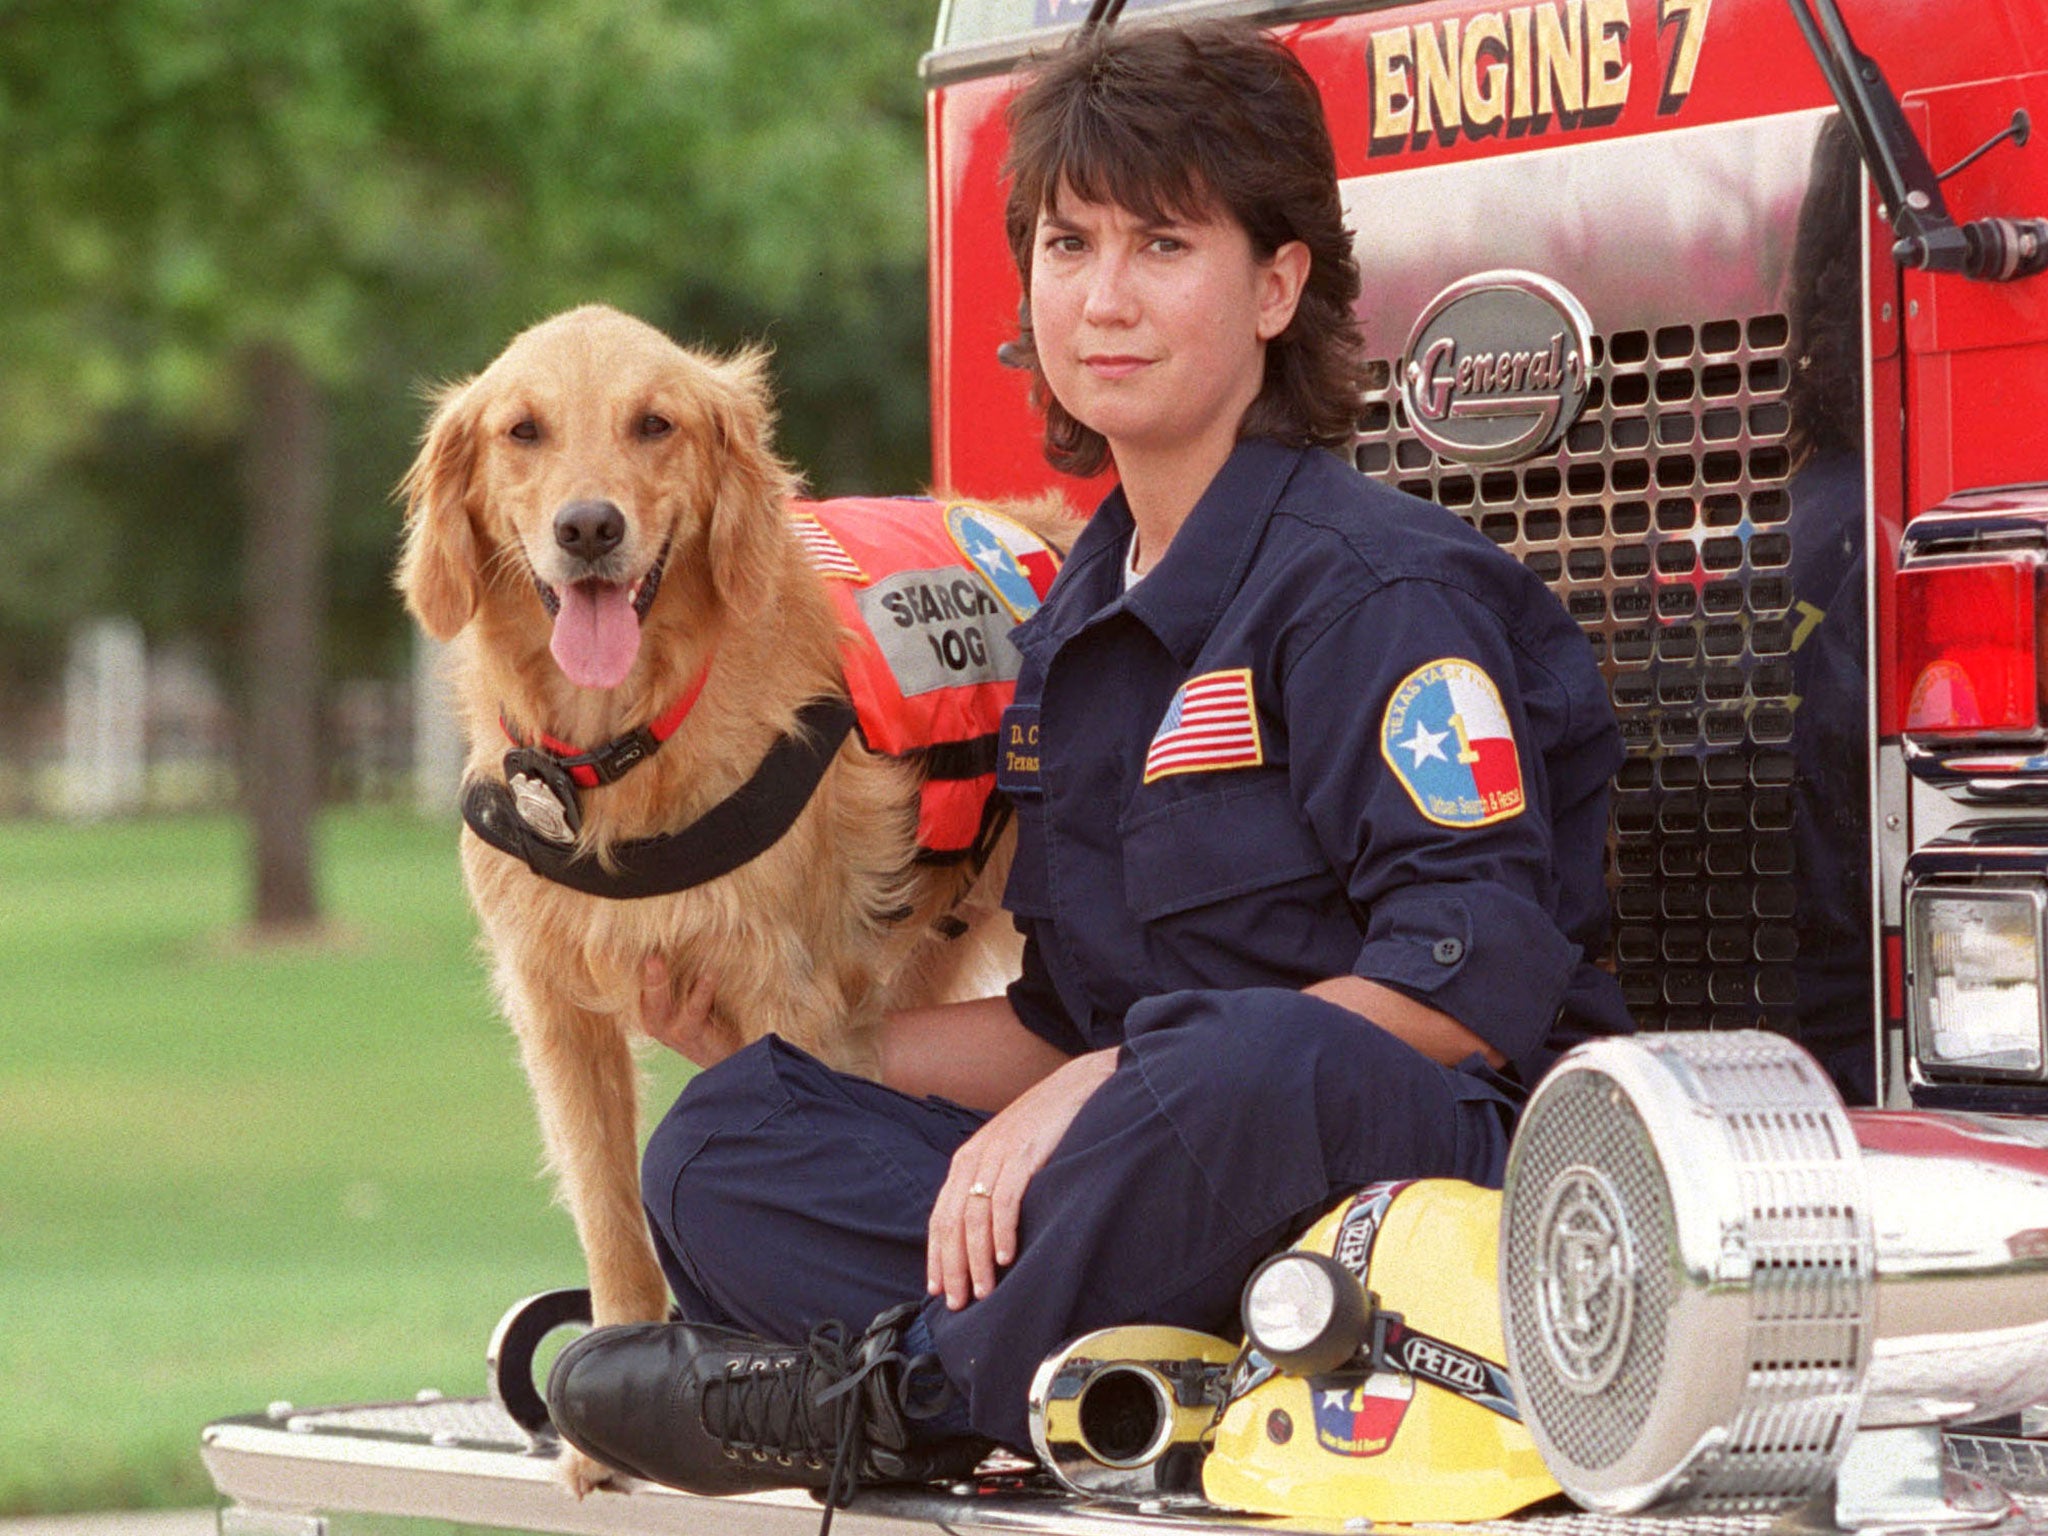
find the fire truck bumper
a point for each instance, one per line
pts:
(462, 1462)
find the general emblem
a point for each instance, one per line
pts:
(1447, 737)
(1497, 368)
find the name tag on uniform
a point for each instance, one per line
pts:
(1017, 751)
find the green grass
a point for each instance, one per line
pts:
(231, 1174)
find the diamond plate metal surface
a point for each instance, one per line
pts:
(462, 1420)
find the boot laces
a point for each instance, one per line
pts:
(763, 1409)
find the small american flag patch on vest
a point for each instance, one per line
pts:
(1210, 724)
(825, 551)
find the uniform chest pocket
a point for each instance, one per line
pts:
(1209, 847)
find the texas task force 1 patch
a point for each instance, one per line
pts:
(1446, 736)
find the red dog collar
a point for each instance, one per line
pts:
(605, 764)
(546, 781)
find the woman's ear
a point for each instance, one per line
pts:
(1281, 279)
(438, 573)
(749, 532)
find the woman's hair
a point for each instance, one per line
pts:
(1192, 122)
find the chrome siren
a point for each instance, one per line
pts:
(1725, 1293)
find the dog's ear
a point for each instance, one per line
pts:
(438, 572)
(749, 533)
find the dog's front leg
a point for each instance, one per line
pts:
(586, 1092)
(585, 1089)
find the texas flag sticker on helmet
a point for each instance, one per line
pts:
(1360, 1418)
(1446, 736)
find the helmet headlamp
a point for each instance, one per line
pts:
(1306, 1313)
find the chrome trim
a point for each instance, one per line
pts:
(1896, 1481)
(1938, 819)
(1960, 1211)
(1890, 835)
(1978, 523)
(1982, 851)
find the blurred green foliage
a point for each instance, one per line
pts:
(231, 1173)
(389, 189)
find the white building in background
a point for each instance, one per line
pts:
(106, 707)
(437, 750)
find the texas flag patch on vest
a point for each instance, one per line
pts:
(1210, 724)
(1447, 737)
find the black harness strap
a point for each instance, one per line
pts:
(737, 830)
(971, 759)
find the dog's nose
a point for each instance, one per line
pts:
(590, 530)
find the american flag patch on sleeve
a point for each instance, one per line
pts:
(826, 552)
(1210, 724)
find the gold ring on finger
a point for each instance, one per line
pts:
(979, 1191)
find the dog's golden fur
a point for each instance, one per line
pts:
(793, 941)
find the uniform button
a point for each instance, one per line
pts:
(1448, 951)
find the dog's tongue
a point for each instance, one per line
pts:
(597, 634)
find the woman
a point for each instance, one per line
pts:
(1310, 784)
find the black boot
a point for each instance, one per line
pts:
(713, 1411)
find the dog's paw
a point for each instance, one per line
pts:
(579, 1473)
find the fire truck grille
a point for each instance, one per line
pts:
(1662, 523)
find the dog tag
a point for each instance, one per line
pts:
(543, 795)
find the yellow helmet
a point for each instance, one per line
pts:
(1415, 1420)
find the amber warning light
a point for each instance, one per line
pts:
(1968, 647)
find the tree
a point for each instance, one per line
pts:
(230, 227)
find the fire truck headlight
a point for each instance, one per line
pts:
(1304, 1312)
(1975, 954)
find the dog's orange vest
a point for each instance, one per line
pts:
(929, 592)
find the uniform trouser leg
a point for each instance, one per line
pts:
(782, 1193)
(786, 1192)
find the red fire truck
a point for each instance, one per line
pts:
(1726, 318)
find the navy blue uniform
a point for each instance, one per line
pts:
(1333, 731)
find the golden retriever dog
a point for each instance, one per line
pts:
(598, 523)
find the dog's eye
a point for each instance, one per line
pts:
(526, 430)
(652, 425)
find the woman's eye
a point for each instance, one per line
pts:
(526, 431)
(652, 425)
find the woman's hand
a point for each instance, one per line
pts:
(974, 1220)
(686, 1025)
